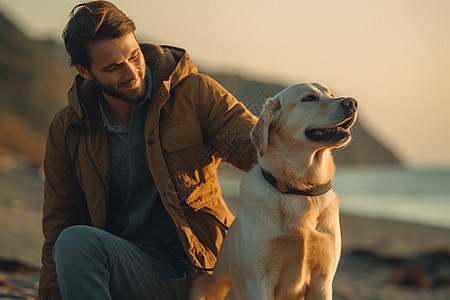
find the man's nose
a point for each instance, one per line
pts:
(351, 103)
(130, 71)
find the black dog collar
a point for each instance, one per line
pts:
(316, 190)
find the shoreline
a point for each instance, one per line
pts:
(392, 237)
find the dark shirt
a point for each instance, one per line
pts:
(135, 210)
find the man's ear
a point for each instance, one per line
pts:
(84, 72)
(260, 132)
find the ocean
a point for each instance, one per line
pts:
(420, 196)
(413, 195)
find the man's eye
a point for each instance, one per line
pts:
(134, 56)
(112, 69)
(309, 98)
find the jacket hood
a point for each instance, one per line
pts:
(169, 66)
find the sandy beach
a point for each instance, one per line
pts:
(380, 259)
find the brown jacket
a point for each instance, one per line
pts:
(192, 125)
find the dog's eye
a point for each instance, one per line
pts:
(309, 98)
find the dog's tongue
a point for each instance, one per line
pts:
(318, 132)
(330, 130)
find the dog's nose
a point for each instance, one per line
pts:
(351, 103)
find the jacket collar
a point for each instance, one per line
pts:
(169, 66)
(284, 188)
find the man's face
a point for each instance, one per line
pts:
(118, 67)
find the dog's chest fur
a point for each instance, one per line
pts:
(300, 235)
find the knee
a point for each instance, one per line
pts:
(74, 236)
(74, 240)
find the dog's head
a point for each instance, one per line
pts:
(307, 115)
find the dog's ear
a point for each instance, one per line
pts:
(269, 115)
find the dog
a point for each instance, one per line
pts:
(285, 242)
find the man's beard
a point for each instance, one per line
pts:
(135, 97)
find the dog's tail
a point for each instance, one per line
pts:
(210, 287)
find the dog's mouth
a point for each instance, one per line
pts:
(335, 133)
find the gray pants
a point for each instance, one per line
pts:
(94, 264)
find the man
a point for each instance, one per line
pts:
(132, 203)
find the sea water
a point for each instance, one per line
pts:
(413, 195)
(402, 194)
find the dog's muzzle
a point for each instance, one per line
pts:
(339, 131)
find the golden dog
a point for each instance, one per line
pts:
(285, 242)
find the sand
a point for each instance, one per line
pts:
(380, 259)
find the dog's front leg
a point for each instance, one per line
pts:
(262, 290)
(320, 289)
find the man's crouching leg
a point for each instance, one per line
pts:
(94, 264)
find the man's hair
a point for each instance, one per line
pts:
(93, 21)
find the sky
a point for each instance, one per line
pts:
(392, 56)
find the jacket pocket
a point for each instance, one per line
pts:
(185, 156)
(181, 136)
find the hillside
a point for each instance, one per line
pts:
(33, 87)
(35, 77)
